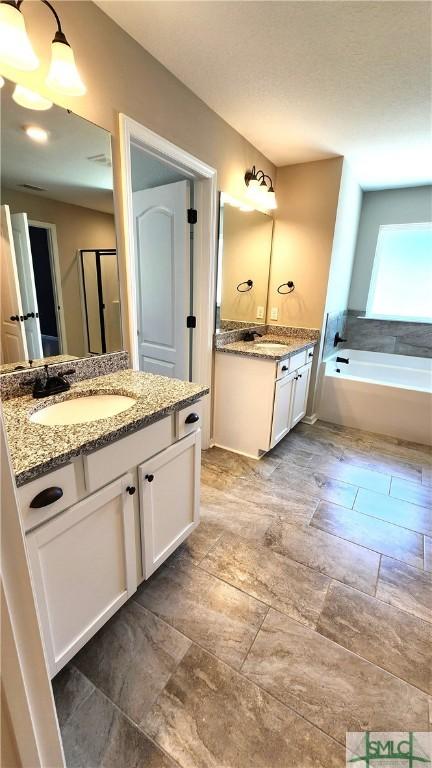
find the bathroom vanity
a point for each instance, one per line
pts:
(103, 502)
(261, 389)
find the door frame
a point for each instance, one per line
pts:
(56, 278)
(205, 201)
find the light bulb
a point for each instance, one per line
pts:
(29, 99)
(36, 134)
(15, 47)
(63, 75)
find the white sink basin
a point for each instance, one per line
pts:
(80, 410)
(270, 346)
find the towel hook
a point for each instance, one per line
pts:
(290, 285)
(248, 283)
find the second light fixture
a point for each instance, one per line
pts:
(258, 190)
(16, 50)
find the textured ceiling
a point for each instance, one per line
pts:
(304, 80)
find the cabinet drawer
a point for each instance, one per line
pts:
(187, 421)
(283, 368)
(309, 354)
(49, 494)
(297, 360)
(100, 467)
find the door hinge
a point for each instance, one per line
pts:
(192, 216)
(191, 321)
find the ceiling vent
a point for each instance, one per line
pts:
(33, 188)
(101, 159)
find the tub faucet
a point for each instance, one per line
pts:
(342, 360)
(338, 339)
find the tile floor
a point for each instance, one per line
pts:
(299, 609)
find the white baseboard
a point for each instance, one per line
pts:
(240, 453)
(310, 419)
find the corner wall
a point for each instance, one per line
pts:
(307, 196)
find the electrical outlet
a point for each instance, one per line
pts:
(260, 313)
(274, 313)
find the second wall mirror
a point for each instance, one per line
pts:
(244, 254)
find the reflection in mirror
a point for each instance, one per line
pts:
(244, 252)
(60, 296)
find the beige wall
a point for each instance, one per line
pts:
(307, 196)
(77, 228)
(247, 238)
(122, 77)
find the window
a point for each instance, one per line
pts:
(401, 282)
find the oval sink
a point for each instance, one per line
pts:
(270, 346)
(79, 410)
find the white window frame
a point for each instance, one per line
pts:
(372, 285)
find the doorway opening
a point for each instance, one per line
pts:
(184, 312)
(46, 270)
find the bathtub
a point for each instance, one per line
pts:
(379, 392)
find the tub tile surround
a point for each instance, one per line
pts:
(85, 368)
(292, 338)
(264, 638)
(391, 336)
(37, 448)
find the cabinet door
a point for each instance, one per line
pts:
(282, 408)
(83, 568)
(300, 393)
(169, 499)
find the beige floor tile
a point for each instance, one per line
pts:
(339, 559)
(394, 510)
(356, 621)
(333, 688)
(294, 589)
(404, 587)
(209, 716)
(370, 532)
(214, 614)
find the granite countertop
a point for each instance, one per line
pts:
(37, 448)
(289, 345)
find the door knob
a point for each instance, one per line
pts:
(149, 478)
(131, 490)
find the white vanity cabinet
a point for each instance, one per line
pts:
(258, 401)
(99, 525)
(169, 487)
(83, 568)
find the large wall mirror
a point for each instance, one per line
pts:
(60, 296)
(244, 253)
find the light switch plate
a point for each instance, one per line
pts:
(260, 313)
(274, 313)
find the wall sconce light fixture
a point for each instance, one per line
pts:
(16, 50)
(258, 190)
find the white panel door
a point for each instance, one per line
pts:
(13, 339)
(24, 264)
(162, 251)
(282, 408)
(83, 564)
(300, 394)
(169, 499)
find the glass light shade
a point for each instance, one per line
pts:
(1, 82)
(15, 47)
(63, 75)
(270, 200)
(29, 99)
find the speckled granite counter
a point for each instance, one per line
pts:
(288, 346)
(36, 448)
